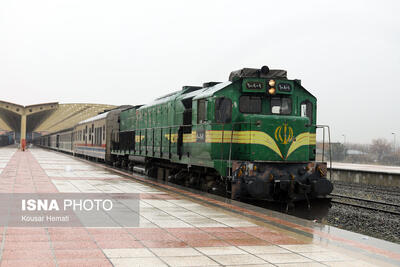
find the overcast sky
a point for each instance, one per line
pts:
(347, 53)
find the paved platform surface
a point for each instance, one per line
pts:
(176, 228)
(366, 167)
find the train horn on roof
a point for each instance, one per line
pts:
(264, 70)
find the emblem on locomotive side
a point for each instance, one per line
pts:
(284, 134)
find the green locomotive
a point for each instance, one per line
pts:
(253, 136)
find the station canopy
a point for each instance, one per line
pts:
(46, 117)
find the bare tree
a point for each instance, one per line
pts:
(380, 147)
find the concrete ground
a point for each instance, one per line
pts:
(174, 229)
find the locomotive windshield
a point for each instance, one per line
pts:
(281, 105)
(250, 104)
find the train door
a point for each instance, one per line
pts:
(86, 135)
(306, 110)
(223, 118)
(185, 128)
(92, 134)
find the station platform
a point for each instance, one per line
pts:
(176, 227)
(366, 168)
(368, 174)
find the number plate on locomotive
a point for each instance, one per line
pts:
(285, 87)
(254, 85)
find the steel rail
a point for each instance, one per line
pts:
(367, 200)
(367, 188)
(365, 207)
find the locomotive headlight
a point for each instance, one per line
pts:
(271, 91)
(271, 83)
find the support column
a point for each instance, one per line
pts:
(23, 132)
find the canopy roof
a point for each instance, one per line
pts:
(47, 117)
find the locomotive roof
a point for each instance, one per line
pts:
(197, 94)
(209, 91)
(160, 100)
(255, 73)
(95, 118)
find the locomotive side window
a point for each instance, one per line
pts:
(201, 111)
(250, 104)
(223, 110)
(281, 105)
(306, 110)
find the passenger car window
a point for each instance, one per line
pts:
(281, 105)
(250, 104)
(223, 110)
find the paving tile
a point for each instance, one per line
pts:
(352, 263)
(67, 231)
(73, 245)
(284, 258)
(30, 263)
(263, 249)
(113, 237)
(221, 250)
(79, 254)
(83, 263)
(26, 254)
(194, 236)
(21, 245)
(190, 261)
(303, 264)
(171, 223)
(279, 239)
(164, 252)
(119, 244)
(219, 229)
(101, 231)
(232, 235)
(142, 262)
(143, 231)
(164, 244)
(184, 230)
(247, 242)
(237, 259)
(255, 230)
(25, 231)
(207, 243)
(128, 253)
(305, 248)
(27, 238)
(326, 256)
(70, 237)
(161, 236)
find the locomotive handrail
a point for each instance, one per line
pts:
(230, 153)
(323, 146)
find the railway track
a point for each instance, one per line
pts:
(363, 203)
(368, 188)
